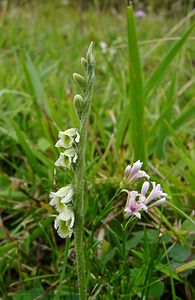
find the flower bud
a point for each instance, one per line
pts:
(79, 79)
(79, 104)
(89, 55)
(84, 64)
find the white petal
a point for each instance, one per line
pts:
(61, 134)
(58, 162)
(77, 139)
(62, 192)
(75, 158)
(70, 152)
(70, 132)
(56, 223)
(72, 220)
(137, 214)
(68, 197)
(58, 144)
(66, 215)
(53, 201)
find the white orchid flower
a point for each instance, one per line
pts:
(66, 158)
(63, 196)
(64, 223)
(67, 138)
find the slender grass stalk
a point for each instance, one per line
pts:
(136, 103)
(79, 176)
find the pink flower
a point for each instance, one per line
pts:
(132, 206)
(155, 193)
(133, 172)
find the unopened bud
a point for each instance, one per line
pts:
(79, 104)
(79, 79)
(89, 54)
(84, 64)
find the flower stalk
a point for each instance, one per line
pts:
(69, 200)
(79, 172)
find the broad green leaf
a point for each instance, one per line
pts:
(179, 253)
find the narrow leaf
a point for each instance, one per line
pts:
(136, 103)
(158, 73)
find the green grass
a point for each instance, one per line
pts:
(40, 49)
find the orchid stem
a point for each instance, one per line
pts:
(79, 178)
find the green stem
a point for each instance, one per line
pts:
(79, 187)
(79, 216)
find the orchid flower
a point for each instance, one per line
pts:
(64, 223)
(67, 138)
(63, 196)
(66, 158)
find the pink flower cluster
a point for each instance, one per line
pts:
(136, 202)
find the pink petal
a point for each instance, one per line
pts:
(145, 187)
(157, 203)
(136, 167)
(127, 171)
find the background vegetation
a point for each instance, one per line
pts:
(41, 46)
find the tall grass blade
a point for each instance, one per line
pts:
(181, 150)
(186, 116)
(136, 103)
(159, 131)
(27, 149)
(34, 80)
(171, 277)
(41, 105)
(158, 73)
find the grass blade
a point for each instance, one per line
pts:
(136, 103)
(27, 150)
(158, 73)
(57, 296)
(159, 131)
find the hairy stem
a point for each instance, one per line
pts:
(79, 185)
